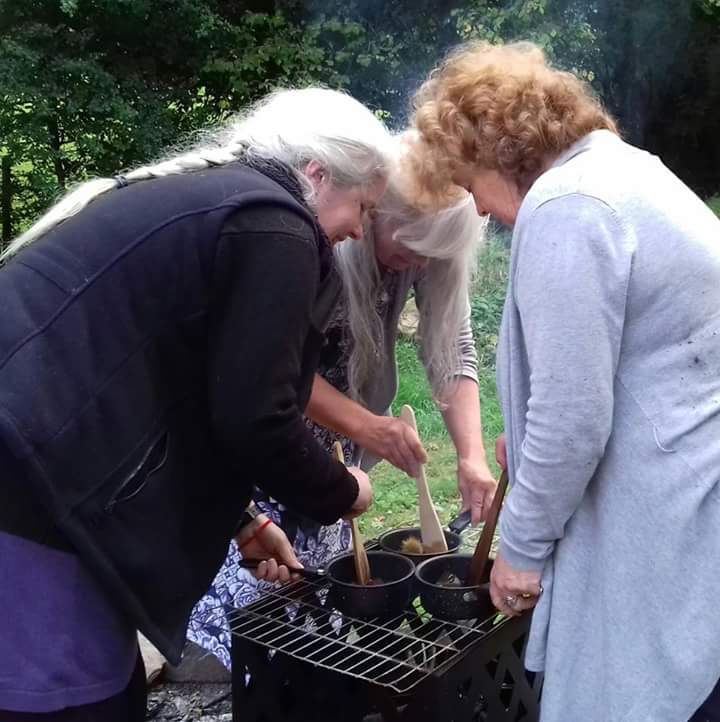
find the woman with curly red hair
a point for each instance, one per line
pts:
(609, 374)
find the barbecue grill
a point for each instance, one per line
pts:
(295, 659)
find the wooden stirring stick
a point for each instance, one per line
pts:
(362, 565)
(431, 533)
(479, 567)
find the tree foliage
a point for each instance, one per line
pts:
(89, 87)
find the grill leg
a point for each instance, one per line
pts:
(282, 689)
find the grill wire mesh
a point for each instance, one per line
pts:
(399, 653)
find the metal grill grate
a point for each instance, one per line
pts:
(398, 653)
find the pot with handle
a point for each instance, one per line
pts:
(386, 596)
(445, 592)
(456, 586)
(392, 541)
(388, 593)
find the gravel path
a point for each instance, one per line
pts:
(190, 702)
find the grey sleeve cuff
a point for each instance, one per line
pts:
(468, 372)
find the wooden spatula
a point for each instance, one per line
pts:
(479, 567)
(431, 531)
(362, 565)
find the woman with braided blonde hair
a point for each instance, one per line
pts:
(609, 374)
(160, 335)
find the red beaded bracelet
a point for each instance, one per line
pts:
(255, 533)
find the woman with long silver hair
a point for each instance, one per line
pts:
(404, 249)
(160, 334)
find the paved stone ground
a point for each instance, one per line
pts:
(190, 702)
(198, 690)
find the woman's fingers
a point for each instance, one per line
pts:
(409, 463)
(262, 570)
(415, 446)
(501, 451)
(283, 573)
(409, 448)
(270, 571)
(510, 602)
(513, 591)
(395, 441)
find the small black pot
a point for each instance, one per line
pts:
(384, 600)
(449, 602)
(391, 541)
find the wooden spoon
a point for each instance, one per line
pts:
(431, 533)
(362, 565)
(479, 567)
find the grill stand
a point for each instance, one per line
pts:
(486, 683)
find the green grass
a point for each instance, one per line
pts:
(413, 389)
(395, 495)
(488, 297)
(714, 204)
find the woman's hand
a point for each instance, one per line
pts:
(365, 493)
(501, 452)
(260, 540)
(384, 436)
(476, 486)
(393, 440)
(513, 591)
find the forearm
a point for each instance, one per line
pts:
(383, 436)
(330, 408)
(464, 421)
(462, 418)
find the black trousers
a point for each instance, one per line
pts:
(128, 706)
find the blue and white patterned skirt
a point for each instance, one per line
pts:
(237, 587)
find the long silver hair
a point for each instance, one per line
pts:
(450, 239)
(292, 126)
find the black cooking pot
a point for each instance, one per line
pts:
(448, 602)
(392, 541)
(386, 598)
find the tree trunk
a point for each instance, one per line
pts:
(6, 201)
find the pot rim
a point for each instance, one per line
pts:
(423, 555)
(464, 588)
(384, 585)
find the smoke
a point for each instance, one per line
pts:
(396, 46)
(649, 60)
(643, 47)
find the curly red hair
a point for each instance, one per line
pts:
(498, 107)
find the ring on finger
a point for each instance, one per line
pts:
(510, 601)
